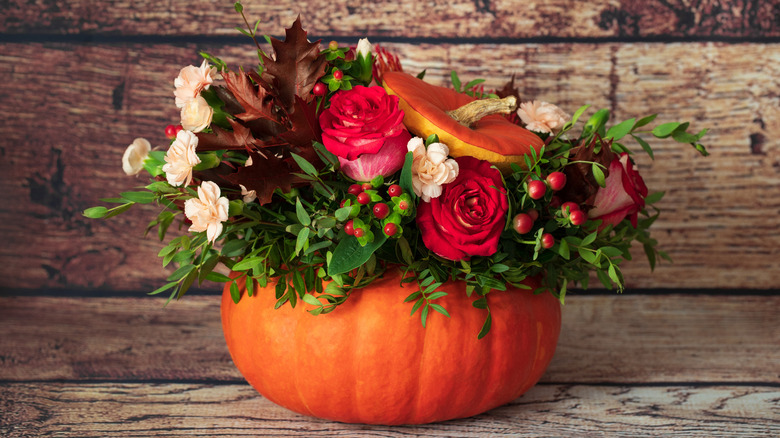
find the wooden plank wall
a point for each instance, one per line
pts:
(82, 79)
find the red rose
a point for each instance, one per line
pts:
(469, 216)
(623, 196)
(364, 128)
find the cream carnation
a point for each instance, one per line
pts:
(431, 168)
(196, 115)
(181, 158)
(135, 154)
(191, 81)
(208, 211)
(542, 116)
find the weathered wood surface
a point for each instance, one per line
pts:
(170, 409)
(69, 110)
(405, 18)
(631, 339)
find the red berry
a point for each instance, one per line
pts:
(355, 189)
(390, 229)
(403, 205)
(349, 228)
(359, 232)
(534, 213)
(319, 89)
(343, 202)
(381, 210)
(333, 45)
(395, 190)
(338, 75)
(522, 223)
(179, 128)
(547, 240)
(170, 132)
(367, 186)
(569, 207)
(556, 180)
(363, 198)
(577, 217)
(536, 189)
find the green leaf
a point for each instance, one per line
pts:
(645, 145)
(436, 295)
(317, 246)
(207, 161)
(343, 213)
(164, 288)
(95, 212)
(563, 249)
(665, 130)
(406, 176)
(303, 216)
(499, 268)
(455, 80)
(596, 122)
(181, 272)
(234, 292)
(349, 254)
(598, 174)
(311, 299)
(654, 197)
(590, 238)
(302, 240)
(644, 121)
(305, 166)
(248, 263)
(216, 277)
(485, 326)
(587, 255)
(424, 314)
(439, 308)
(139, 197)
(620, 130)
(239, 7)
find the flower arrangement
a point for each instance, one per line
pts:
(323, 167)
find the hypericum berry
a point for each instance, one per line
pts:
(367, 186)
(568, 207)
(403, 205)
(333, 45)
(343, 203)
(522, 223)
(355, 189)
(338, 75)
(390, 229)
(363, 198)
(179, 128)
(395, 190)
(556, 180)
(534, 213)
(536, 189)
(359, 232)
(577, 217)
(547, 240)
(381, 210)
(320, 89)
(349, 228)
(170, 132)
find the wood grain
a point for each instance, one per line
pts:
(619, 339)
(142, 410)
(71, 109)
(405, 18)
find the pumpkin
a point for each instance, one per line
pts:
(370, 362)
(480, 133)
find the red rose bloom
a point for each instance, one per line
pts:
(623, 195)
(364, 128)
(469, 216)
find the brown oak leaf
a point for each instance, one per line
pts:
(305, 129)
(297, 67)
(265, 175)
(254, 99)
(239, 138)
(581, 186)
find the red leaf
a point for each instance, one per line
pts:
(239, 138)
(297, 67)
(305, 128)
(265, 175)
(254, 99)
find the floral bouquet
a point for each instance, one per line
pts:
(325, 170)
(322, 168)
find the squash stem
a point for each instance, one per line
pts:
(472, 112)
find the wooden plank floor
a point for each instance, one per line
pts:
(632, 365)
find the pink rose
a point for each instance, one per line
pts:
(364, 128)
(469, 216)
(623, 196)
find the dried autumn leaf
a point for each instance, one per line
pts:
(297, 67)
(265, 175)
(254, 99)
(239, 138)
(304, 129)
(581, 186)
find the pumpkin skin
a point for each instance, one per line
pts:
(493, 138)
(370, 362)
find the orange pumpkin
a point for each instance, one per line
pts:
(370, 362)
(492, 138)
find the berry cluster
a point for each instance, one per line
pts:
(378, 214)
(570, 212)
